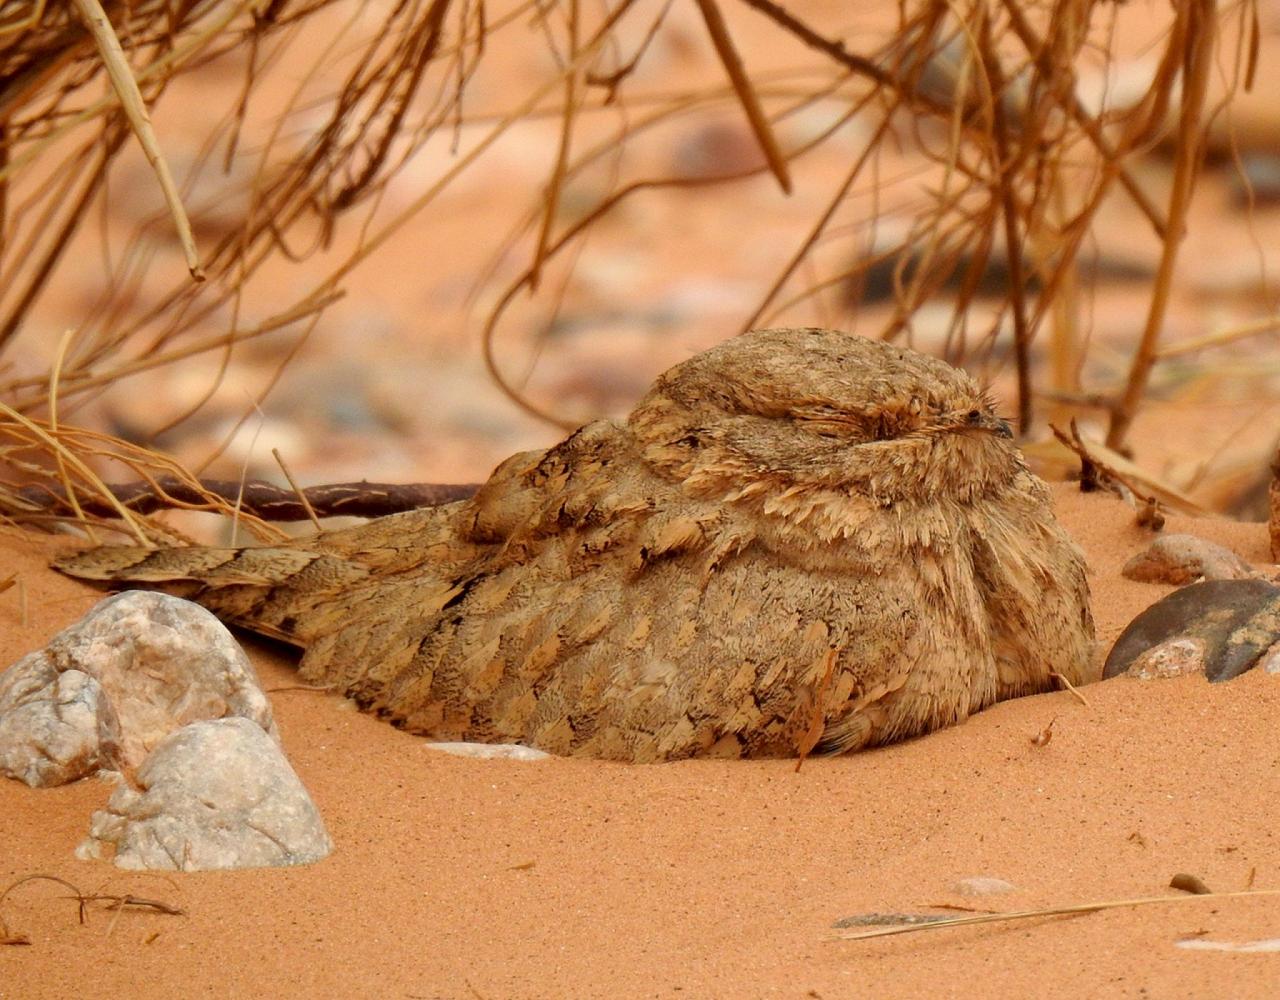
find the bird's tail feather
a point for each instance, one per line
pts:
(279, 591)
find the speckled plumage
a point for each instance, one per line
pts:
(798, 540)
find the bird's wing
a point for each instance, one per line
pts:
(297, 591)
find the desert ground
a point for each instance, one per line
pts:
(505, 880)
(569, 878)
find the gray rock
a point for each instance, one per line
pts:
(215, 794)
(490, 751)
(1223, 627)
(155, 662)
(982, 885)
(54, 727)
(1181, 559)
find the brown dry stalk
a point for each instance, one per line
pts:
(733, 66)
(126, 88)
(1005, 168)
(56, 447)
(1097, 461)
(1070, 687)
(257, 498)
(555, 186)
(1043, 56)
(981, 96)
(1201, 35)
(302, 497)
(1267, 324)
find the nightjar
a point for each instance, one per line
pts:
(799, 540)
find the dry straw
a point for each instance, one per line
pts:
(978, 98)
(1049, 911)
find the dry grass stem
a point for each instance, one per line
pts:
(117, 903)
(1070, 687)
(965, 147)
(1143, 485)
(126, 88)
(1200, 30)
(302, 497)
(259, 501)
(1268, 324)
(1051, 911)
(742, 86)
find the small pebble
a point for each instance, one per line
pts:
(490, 751)
(982, 885)
(1203, 944)
(1181, 559)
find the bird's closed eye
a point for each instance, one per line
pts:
(828, 425)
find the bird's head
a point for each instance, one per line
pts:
(825, 410)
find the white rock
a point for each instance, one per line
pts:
(54, 727)
(982, 885)
(158, 663)
(1270, 660)
(215, 794)
(1202, 944)
(490, 751)
(1172, 658)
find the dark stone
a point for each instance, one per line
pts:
(1238, 621)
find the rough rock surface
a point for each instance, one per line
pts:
(215, 794)
(1172, 658)
(1181, 559)
(55, 727)
(105, 691)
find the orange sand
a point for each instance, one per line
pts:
(495, 879)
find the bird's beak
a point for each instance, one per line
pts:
(990, 422)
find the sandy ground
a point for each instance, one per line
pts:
(561, 879)
(460, 878)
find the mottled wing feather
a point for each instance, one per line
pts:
(581, 602)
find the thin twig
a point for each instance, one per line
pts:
(1098, 458)
(555, 186)
(1268, 324)
(261, 499)
(56, 447)
(114, 902)
(1201, 33)
(1005, 170)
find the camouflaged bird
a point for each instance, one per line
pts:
(798, 541)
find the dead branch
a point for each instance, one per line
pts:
(83, 899)
(256, 497)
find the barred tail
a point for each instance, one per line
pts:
(281, 592)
